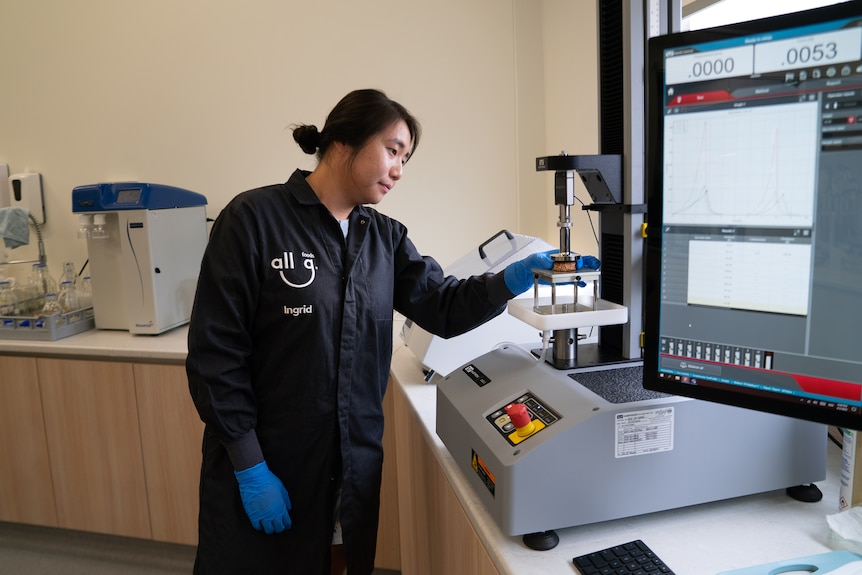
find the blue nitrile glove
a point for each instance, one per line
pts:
(519, 275)
(588, 262)
(264, 498)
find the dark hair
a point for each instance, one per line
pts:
(358, 117)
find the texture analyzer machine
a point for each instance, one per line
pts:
(550, 440)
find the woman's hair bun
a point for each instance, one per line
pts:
(308, 137)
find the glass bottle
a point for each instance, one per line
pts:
(8, 300)
(85, 293)
(40, 283)
(52, 306)
(41, 280)
(67, 298)
(24, 295)
(68, 272)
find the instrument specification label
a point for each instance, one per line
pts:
(644, 432)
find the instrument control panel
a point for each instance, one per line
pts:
(541, 416)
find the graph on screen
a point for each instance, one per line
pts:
(719, 171)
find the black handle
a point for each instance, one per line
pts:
(507, 233)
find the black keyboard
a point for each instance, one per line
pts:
(632, 558)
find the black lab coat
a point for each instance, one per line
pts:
(290, 344)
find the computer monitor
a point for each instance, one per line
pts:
(754, 185)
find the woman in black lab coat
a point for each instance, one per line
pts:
(290, 343)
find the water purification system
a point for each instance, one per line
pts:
(145, 243)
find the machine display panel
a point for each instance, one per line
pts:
(129, 196)
(754, 183)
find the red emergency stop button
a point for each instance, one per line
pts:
(520, 418)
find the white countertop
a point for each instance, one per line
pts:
(698, 540)
(168, 347)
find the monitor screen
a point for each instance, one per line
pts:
(754, 186)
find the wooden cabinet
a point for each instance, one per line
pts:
(115, 447)
(26, 491)
(389, 529)
(94, 442)
(102, 446)
(436, 534)
(171, 434)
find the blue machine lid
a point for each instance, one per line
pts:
(109, 197)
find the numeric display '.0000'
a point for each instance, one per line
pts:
(709, 68)
(710, 65)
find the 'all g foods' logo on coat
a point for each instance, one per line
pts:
(287, 268)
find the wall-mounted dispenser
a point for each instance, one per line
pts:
(25, 191)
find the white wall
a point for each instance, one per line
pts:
(570, 39)
(201, 94)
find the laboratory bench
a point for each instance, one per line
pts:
(98, 433)
(699, 540)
